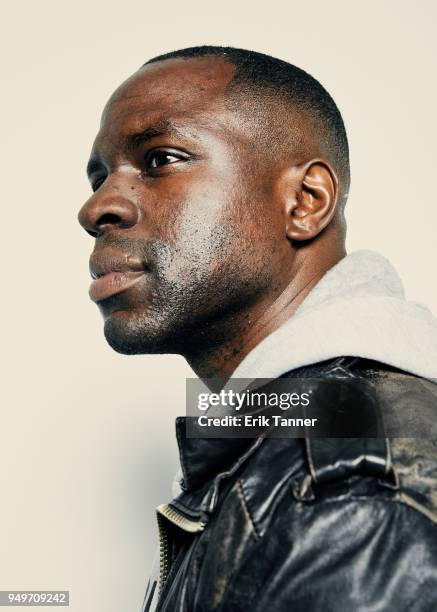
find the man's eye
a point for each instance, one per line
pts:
(156, 159)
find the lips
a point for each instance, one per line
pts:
(113, 273)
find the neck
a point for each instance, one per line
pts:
(218, 359)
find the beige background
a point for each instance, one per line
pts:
(87, 446)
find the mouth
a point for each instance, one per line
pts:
(113, 273)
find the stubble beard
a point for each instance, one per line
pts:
(194, 304)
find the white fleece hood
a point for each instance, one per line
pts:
(357, 309)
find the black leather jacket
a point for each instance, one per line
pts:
(275, 525)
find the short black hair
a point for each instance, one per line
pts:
(257, 72)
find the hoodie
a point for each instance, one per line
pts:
(357, 309)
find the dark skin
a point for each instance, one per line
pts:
(204, 243)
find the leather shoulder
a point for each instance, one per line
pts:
(408, 407)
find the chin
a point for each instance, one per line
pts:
(136, 336)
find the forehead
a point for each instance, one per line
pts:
(177, 89)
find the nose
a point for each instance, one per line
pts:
(104, 211)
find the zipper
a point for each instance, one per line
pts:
(166, 511)
(163, 553)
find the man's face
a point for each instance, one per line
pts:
(186, 241)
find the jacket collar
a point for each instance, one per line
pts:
(203, 459)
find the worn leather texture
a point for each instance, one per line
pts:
(294, 524)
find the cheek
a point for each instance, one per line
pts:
(198, 220)
(201, 239)
(214, 223)
(220, 240)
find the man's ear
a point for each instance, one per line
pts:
(312, 200)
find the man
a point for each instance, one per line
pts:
(220, 178)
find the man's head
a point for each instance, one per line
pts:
(218, 174)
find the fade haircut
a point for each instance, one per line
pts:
(264, 84)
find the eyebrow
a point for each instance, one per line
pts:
(164, 127)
